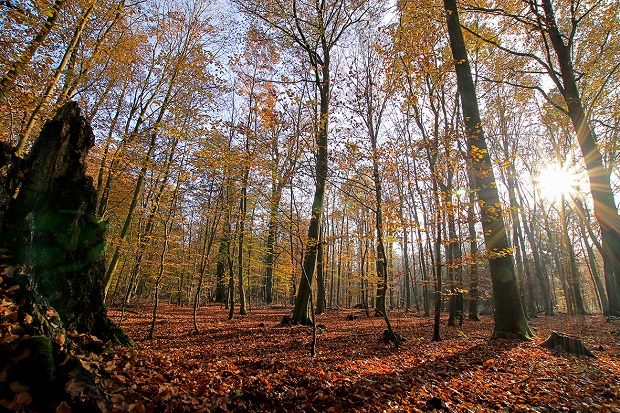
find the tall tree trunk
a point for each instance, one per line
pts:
(438, 276)
(300, 312)
(320, 280)
(240, 240)
(473, 251)
(270, 257)
(52, 84)
(509, 316)
(18, 66)
(407, 272)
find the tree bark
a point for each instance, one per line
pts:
(300, 312)
(52, 229)
(509, 316)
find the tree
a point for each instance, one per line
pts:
(550, 37)
(83, 20)
(53, 231)
(605, 208)
(509, 315)
(17, 67)
(316, 28)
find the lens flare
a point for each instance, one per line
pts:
(554, 182)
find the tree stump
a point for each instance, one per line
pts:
(53, 271)
(565, 343)
(51, 228)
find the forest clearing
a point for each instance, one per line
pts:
(255, 364)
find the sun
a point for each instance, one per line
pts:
(554, 182)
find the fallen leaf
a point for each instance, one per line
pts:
(9, 271)
(9, 338)
(18, 387)
(75, 388)
(22, 399)
(63, 408)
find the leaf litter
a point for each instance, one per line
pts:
(254, 364)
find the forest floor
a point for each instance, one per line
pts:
(254, 364)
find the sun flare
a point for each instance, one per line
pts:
(554, 181)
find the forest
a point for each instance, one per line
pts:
(294, 205)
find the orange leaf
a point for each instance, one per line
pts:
(63, 408)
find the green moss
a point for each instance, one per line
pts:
(40, 360)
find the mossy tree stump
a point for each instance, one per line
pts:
(565, 343)
(51, 234)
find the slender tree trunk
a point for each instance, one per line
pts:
(58, 72)
(407, 274)
(473, 250)
(72, 82)
(106, 148)
(438, 278)
(323, 84)
(241, 237)
(18, 66)
(270, 258)
(575, 285)
(455, 268)
(160, 274)
(320, 280)
(231, 284)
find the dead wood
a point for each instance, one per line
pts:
(570, 344)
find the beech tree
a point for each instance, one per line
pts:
(509, 315)
(549, 37)
(315, 28)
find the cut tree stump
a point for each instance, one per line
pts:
(562, 342)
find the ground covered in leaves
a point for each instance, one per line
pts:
(254, 364)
